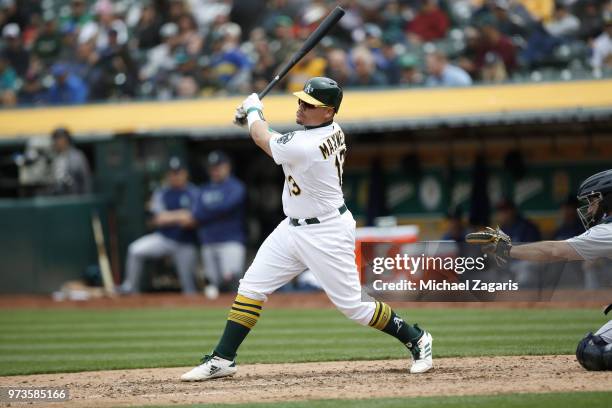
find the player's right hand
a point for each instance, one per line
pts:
(252, 102)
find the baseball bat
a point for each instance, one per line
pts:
(312, 40)
(105, 269)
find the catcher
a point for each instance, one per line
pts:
(594, 351)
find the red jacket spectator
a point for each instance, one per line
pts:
(494, 42)
(430, 24)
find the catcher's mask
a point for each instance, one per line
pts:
(595, 193)
(591, 211)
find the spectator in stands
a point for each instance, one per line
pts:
(602, 47)
(208, 82)
(32, 92)
(563, 25)
(441, 73)
(284, 42)
(174, 235)
(68, 89)
(493, 70)
(77, 17)
(506, 19)
(69, 166)
(116, 74)
(219, 212)
(8, 83)
(190, 38)
(540, 47)
(338, 66)
(541, 10)
(104, 25)
(183, 79)
(264, 67)
(48, 43)
(491, 40)
(430, 24)
(161, 57)
(232, 66)
(312, 65)
(14, 50)
(366, 74)
(147, 31)
(591, 19)
(410, 73)
(393, 21)
(390, 62)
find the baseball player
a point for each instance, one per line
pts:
(596, 216)
(219, 214)
(172, 237)
(318, 233)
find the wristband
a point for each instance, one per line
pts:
(253, 115)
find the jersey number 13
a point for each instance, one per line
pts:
(340, 164)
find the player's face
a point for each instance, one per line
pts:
(219, 172)
(310, 115)
(177, 178)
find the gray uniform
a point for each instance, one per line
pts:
(70, 172)
(596, 243)
(174, 241)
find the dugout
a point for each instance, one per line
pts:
(411, 155)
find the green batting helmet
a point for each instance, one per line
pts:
(321, 92)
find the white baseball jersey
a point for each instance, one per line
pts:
(595, 243)
(312, 161)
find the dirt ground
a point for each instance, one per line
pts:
(328, 380)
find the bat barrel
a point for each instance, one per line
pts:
(312, 40)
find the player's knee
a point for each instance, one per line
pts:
(136, 249)
(251, 293)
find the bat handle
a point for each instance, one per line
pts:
(268, 87)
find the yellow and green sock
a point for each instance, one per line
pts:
(242, 317)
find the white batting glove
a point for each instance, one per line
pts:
(252, 102)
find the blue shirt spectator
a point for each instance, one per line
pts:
(441, 73)
(68, 88)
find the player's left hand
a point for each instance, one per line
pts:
(252, 101)
(240, 117)
(495, 242)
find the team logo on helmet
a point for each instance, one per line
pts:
(308, 89)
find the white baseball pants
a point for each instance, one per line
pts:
(326, 249)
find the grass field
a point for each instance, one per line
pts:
(47, 341)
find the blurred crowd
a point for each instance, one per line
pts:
(77, 51)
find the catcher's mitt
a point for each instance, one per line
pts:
(495, 242)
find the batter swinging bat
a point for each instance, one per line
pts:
(312, 40)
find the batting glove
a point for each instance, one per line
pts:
(240, 117)
(251, 103)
